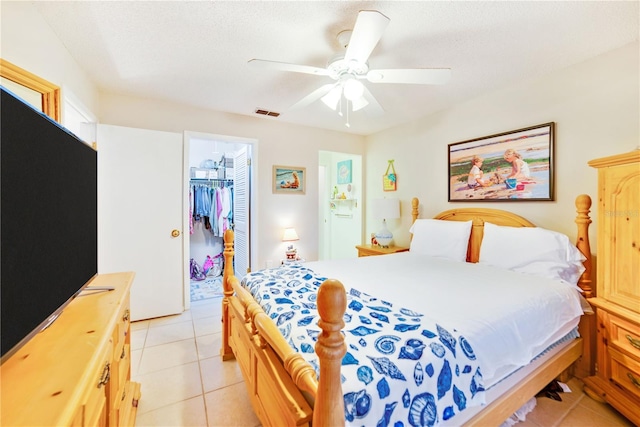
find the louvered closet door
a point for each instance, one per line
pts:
(241, 204)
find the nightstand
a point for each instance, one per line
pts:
(371, 250)
(292, 261)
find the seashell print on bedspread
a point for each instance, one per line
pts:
(400, 369)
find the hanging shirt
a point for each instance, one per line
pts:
(191, 210)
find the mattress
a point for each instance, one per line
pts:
(486, 324)
(509, 317)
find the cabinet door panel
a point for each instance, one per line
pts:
(621, 234)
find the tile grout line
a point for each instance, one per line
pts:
(568, 411)
(204, 400)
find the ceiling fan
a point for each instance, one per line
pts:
(350, 68)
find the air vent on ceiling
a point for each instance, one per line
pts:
(267, 113)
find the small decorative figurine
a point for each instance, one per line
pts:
(291, 253)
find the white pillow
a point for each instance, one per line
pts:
(532, 250)
(440, 238)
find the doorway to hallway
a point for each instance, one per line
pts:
(340, 192)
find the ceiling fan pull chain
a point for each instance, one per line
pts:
(348, 124)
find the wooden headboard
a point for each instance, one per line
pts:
(499, 217)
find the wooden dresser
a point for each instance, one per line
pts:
(617, 301)
(77, 372)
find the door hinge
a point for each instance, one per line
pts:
(248, 161)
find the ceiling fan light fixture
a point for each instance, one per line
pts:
(332, 98)
(353, 89)
(359, 103)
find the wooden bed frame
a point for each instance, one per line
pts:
(283, 387)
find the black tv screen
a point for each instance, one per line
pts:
(48, 214)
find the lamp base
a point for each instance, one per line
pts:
(384, 237)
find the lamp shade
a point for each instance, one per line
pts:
(289, 235)
(332, 98)
(359, 103)
(386, 208)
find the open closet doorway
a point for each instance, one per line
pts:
(219, 183)
(340, 192)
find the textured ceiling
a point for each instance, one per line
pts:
(196, 53)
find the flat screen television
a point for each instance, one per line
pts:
(49, 219)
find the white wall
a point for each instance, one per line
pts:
(594, 105)
(278, 144)
(27, 41)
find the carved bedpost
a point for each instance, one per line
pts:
(583, 204)
(228, 253)
(415, 203)
(330, 348)
(585, 366)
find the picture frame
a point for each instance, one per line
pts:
(289, 179)
(344, 172)
(517, 165)
(390, 178)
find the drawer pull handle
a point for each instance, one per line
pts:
(123, 354)
(634, 381)
(106, 374)
(634, 342)
(125, 317)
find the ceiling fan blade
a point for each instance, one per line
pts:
(313, 96)
(283, 66)
(374, 109)
(366, 34)
(429, 76)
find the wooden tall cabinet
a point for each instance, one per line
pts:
(617, 301)
(77, 372)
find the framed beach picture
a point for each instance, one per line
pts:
(289, 179)
(512, 166)
(344, 172)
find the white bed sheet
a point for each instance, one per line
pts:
(507, 317)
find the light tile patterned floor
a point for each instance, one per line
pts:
(185, 383)
(211, 287)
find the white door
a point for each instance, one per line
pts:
(140, 186)
(241, 209)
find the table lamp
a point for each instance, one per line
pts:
(385, 209)
(290, 235)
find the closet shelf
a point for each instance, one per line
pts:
(208, 180)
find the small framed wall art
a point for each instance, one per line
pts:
(344, 172)
(289, 179)
(390, 178)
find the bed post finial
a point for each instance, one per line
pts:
(583, 204)
(330, 348)
(228, 254)
(415, 203)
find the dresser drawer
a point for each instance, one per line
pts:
(95, 403)
(625, 336)
(625, 372)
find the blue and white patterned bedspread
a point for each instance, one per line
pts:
(401, 368)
